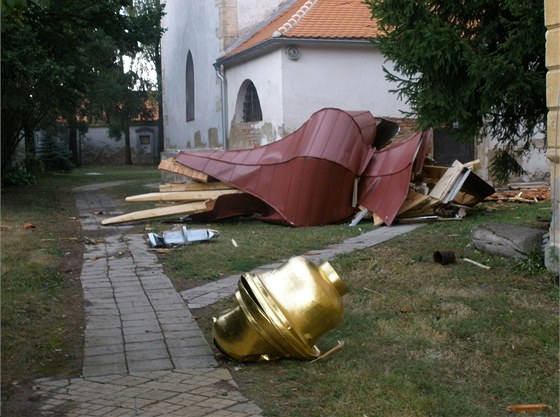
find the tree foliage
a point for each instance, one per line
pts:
(63, 61)
(477, 64)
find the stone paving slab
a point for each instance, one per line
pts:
(144, 354)
(187, 392)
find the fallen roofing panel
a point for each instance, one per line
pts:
(306, 177)
(385, 183)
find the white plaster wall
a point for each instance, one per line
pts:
(251, 12)
(191, 25)
(345, 77)
(98, 147)
(266, 74)
(535, 163)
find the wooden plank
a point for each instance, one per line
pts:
(195, 186)
(472, 164)
(444, 185)
(377, 220)
(466, 199)
(182, 195)
(188, 208)
(413, 199)
(425, 209)
(170, 165)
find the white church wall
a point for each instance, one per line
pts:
(184, 32)
(345, 77)
(265, 73)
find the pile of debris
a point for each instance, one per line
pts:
(332, 169)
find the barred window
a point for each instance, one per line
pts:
(251, 105)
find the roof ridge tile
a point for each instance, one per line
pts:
(294, 20)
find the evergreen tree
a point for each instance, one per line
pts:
(477, 64)
(57, 58)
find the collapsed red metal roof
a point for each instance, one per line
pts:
(385, 182)
(308, 177)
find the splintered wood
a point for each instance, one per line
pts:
(170, 165)
(438, 189)
(179, 209)
(195, 196)
(438, 193)
(182, 195)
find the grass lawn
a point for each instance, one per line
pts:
(421, 339)
(42, 306)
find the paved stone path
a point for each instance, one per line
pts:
(144, 353)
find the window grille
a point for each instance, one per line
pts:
(251, 105)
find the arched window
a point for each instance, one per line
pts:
(251, 105)
(190, 88)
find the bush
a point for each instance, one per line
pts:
(24, 172)
(55, 156)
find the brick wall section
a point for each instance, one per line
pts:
(552, 21)
(408, 127)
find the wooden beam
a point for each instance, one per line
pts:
(188, 208)
(182, 195)
(170, 165)
(413, 199)
(447, 181)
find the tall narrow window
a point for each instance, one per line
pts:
(251, 105)
(190, 88)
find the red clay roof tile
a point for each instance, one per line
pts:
(316, 19)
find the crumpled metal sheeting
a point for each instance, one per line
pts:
(384, 184)
(306, 177)
(183, 236)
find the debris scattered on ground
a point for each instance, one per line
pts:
(470, 261)
(181, 236)
(521, 408)
(444, 257)
(328, 171)
(516, 194)
(93, 241)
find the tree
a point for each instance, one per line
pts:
(476, 64)
(149, 13)
(56, 57)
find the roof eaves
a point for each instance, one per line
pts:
(270, 44)
(247, 54)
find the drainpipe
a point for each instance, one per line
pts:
(221, 75)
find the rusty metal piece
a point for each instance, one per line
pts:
(444, 257)
(281, 313)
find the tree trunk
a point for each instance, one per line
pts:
(10, 139)
(161, 145)
(128, 153)
(29, 142)
(74, 146)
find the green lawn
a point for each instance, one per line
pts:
(421, 339)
